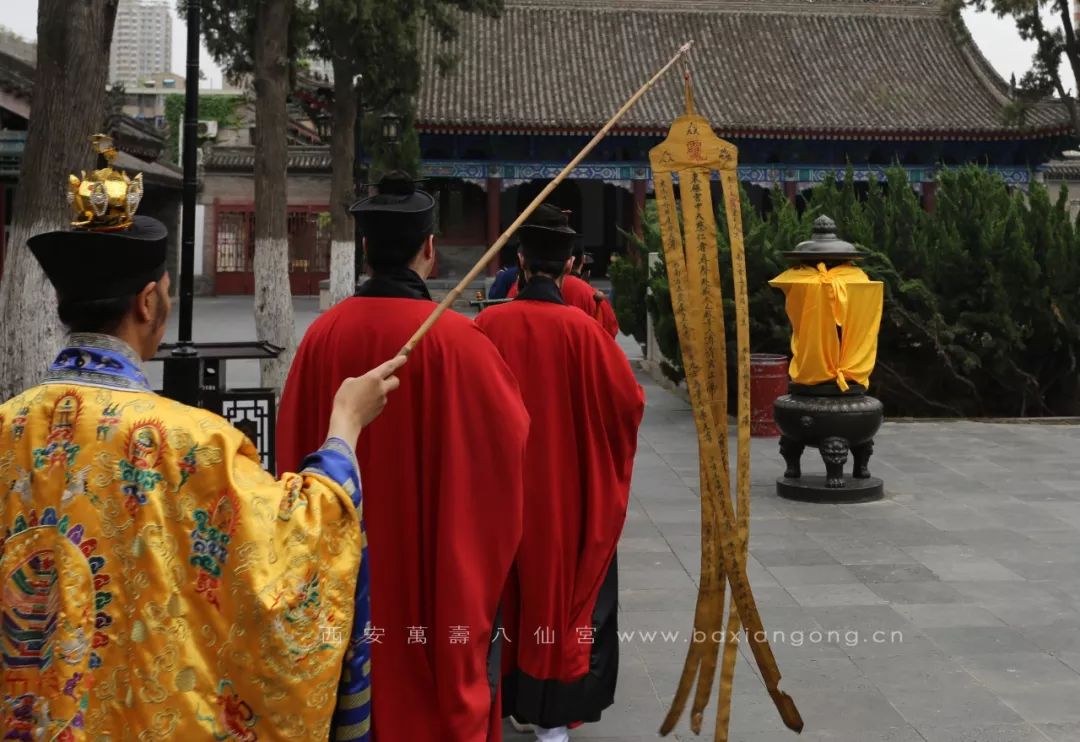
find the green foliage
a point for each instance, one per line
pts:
(380, 41)
(629, 275)
(220, 108)
(228, 28)
(658, 301)
(982, 297)
(1049, 26)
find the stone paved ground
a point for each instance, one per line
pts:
(973, 557)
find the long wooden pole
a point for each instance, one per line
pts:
(492, 251)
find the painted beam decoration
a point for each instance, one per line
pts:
(623, 174)
(692, 152)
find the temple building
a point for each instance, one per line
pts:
(805, 88)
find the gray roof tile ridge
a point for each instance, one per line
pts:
(980, 65)
(788, 7)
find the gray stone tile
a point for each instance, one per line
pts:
(1071, 658)
(915, 592)
(948, 517)
(1061, 731)
(803, 576)
(892, 572)
(1004, 672)
(965, 641)
(822, 596)
(815, 672)
(643, 579)
(663, 599)
(896, 734)
(931, 693)
(850, 710)
(984, 733)
(1059, 637)
(961, 563)
(850, 549)
(772, 596)
(654, 544)
(872, 631)
(1045, 703)
(793, 557)
(947, 615)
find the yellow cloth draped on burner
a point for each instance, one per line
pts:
(835, 315)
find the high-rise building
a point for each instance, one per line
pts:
(142, 41)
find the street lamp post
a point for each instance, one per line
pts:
(358, 176)
(181, 379)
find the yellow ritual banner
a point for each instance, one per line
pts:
(819, 301)
(691, 153)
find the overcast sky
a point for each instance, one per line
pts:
(997, 39)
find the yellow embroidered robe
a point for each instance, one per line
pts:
(157, 583)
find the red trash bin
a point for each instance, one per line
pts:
(768, 381)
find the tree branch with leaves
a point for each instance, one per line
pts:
(1054, 47)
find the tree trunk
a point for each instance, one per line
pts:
(342, 152)
(66, 109)
(274, 321)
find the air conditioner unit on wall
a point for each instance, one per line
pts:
(208, 129)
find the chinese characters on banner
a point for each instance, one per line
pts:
(458, 635)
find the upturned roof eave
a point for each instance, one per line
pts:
(755, 132)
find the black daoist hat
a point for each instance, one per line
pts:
(398, 213)
(548, 230)
(109, 252)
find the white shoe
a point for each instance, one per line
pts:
(558, 734)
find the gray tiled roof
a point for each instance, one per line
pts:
(16, 75)
(832, 68)
(1064, 169)
(242, 159)
(159, 173)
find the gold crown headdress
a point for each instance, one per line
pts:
(107, 199)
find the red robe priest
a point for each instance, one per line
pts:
(443, 472)
(576, 292)
(585, 408)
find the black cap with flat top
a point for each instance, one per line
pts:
(90, 265)
(397, 212)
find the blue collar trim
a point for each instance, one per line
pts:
(98, 360)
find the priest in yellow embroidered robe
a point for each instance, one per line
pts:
(157, 584)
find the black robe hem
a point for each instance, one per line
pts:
(550, 703)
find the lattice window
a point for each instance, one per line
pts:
(253, 414)
(309, 241)
(235, 236)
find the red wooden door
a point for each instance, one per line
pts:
(234, 237)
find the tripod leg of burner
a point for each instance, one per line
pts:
(862, 454)
(834, 452)
(792, 452)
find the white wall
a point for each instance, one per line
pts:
(200, 228)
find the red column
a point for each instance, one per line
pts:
(494, 218)
(929, 196)
(791, 190)
(639, 204)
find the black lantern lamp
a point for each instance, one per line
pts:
(323, 125)
(391, 127)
